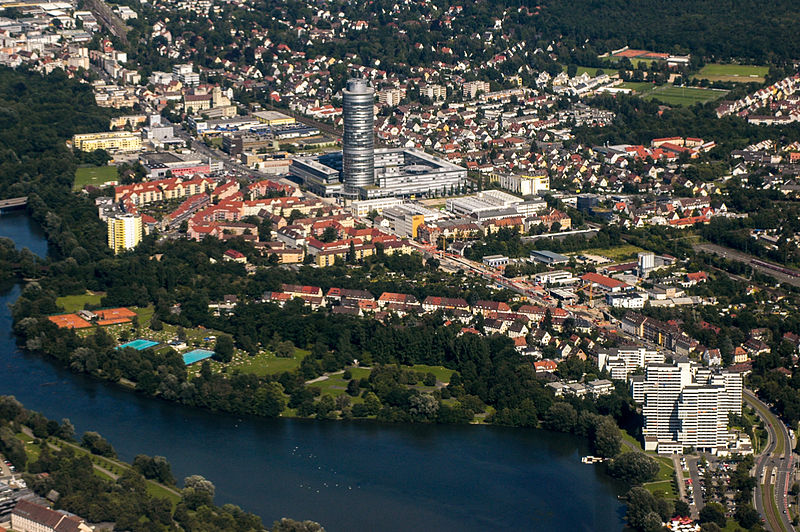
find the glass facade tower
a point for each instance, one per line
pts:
(358, 142)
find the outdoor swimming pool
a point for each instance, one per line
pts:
(139, 344)
(196, 355)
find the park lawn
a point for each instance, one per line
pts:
(673, 95)
(265, 363)
(662, 487)
(154, 489)
(94, 175)
(145, 314)
(334, 385)
(442, 373)
(666, 469)
(72, 304)
(733, 73)
(616, 253)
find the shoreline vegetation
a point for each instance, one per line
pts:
(85, 477)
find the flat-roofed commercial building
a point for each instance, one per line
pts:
(273, 118)
(110, 141)
(548, 257)
(399, 172)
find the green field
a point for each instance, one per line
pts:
(637, 86)
(442, 374)
(75, 303)
(672, 95)
(733, 73)
(95, 175)
(264, 364)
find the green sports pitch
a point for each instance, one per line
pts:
(733, 73)
(672, 95)
(94, 175)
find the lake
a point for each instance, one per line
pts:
(345, 475)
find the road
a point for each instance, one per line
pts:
(697, 482)
(776, 456)
(733, 254)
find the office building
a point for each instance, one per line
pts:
(358, 141)
(185, 74)
(124, 232)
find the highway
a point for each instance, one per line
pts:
(773, 469)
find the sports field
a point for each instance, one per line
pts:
(733, 73)
(673, 95)
(94, 175)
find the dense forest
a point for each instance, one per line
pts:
(764, 31)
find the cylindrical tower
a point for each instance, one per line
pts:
(358, 142)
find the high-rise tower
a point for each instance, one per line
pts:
(358, 142)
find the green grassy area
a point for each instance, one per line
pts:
(94, 175)
(145, 314)
(616, 253)
(672, 95)
(630, 439)
(733, 73)
(636, 86)
(157, 490)
(268, 364)
(663, 488)
(442, 373)
(75, 303)
(592, 71)
(334, 385)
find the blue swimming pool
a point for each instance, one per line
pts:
(196, 355)
(139, 344)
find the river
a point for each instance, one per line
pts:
(345, 475)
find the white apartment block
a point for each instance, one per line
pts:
(472, 88)
(685, 405)
(622, 361)
(526, 185)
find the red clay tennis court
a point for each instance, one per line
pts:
(69, 321)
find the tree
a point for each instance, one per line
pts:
(633, 467)
(96, 444)
(747, 516)
(607, 438)
(682, 508)
(284, 349)
(223, 348)
(713, 512)
(352, 387)
(197, 492)
(290, 525)
(430, 380)
(423, 407)
(561, 417)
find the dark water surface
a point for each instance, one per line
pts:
(346, 475)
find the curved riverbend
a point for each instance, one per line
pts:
(346, 475)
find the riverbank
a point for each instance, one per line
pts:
(395, 477)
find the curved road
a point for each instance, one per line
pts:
(773, 467)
